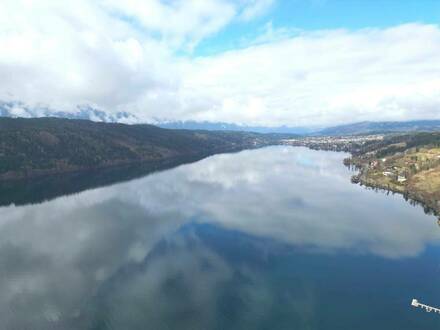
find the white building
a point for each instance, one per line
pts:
(401, 178)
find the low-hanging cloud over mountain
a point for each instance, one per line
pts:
(140, 58)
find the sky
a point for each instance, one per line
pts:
(254, 62)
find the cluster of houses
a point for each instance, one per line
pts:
(393, 172)
(411, 165)
(401, 178)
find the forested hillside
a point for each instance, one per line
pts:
(40, 146)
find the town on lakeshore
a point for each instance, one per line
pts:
(334, 143)
(403, 163)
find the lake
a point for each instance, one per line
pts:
(273, 238)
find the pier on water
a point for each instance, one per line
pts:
(415, 303)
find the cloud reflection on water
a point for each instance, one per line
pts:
(56, 255)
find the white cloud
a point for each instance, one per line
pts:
(181, 22)
(325, 77)
(128, 57)
(255, 8)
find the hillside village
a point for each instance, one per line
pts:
(404, 163)
(400, 167)
(414, 172)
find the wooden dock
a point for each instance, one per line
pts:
(415, 303)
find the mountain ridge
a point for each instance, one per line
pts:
(223, 126)
(16, 109)
(371, 127)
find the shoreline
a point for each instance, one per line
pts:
(31, 174)
(364, 178)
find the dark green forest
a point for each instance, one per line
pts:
(40, 146)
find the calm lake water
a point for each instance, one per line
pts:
(275, 238)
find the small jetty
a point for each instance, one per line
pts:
(415, 303)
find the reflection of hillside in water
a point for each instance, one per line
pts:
(37, 190)
(58, 257)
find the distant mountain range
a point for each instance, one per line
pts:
(370, 127)
(219, 126)
(366, 127)
(18, 109)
